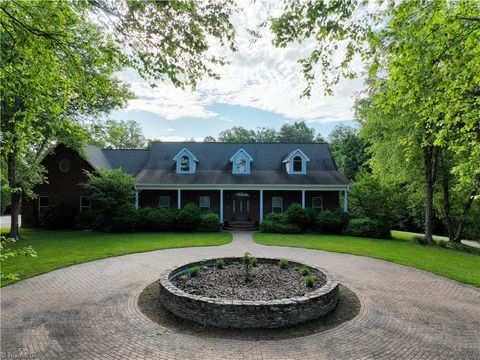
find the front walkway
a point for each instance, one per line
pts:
(90, 311)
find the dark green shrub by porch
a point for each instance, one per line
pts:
(331, 222)
(210, 222)
(189, 218)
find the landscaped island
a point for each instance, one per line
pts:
(248, 292)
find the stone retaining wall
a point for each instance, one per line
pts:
(246, 313)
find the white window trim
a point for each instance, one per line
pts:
(281, 206)
(160, 204)
(193, 161)
(240, 155)
(40, 208)
(321, 203)
(289, 162)
(209, 203)
(82, 208)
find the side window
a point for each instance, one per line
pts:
(185, 163)
(85, 203)
(42, 203)
(297, 164)
(277, 204)
(64, 165)
(164, 202)
(204, 203)
(317, 203)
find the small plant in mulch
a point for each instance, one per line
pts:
(220, 263)
(304, 271)
(204, 267)
(247, 265)
(193, 271)
(183, 277)
(309, 280)
(283, 263)
(254, 261)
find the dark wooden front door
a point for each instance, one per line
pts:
(241, 206)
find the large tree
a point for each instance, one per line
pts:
(58, 58)
(349, 150)
(112, 134)
(423, 74)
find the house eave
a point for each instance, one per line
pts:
(287, 187)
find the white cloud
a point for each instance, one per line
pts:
(169, 129)
(259, 76)
(178, 138)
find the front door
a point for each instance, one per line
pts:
(241, 206)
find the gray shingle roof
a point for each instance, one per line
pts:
(156, 165)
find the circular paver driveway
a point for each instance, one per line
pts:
(89, 311)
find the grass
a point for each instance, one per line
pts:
(452, 264)
(58, 249)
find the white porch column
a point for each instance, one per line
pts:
(179, 199)
(136, 199)
(221, 206)
(345, 200)
(261, 206)
(303, 199)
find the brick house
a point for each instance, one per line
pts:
(241, 182)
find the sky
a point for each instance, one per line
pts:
(260, 87)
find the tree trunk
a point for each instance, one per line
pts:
(466, 209)
(430, 156)
(446, 200)
(15, 194)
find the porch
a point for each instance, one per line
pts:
(245, 205)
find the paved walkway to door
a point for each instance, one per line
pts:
(89, 311)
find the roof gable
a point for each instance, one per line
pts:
(241, 151)
(183, 152)
(294, 153)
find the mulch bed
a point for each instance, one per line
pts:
(269, 282)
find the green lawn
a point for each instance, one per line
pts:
(452, 264)
(57, 249)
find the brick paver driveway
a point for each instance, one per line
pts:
(89, 311)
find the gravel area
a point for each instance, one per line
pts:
(269, 282)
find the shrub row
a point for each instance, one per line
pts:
(296, 220)
(126, 219)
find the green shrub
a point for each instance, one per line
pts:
(420, 239)
(210, 222)
(441, 243)
(304, 270)
(124, 219)
(189, 218)
(367, 227)
(276, 217)
(109, 190)
(220, 263)
(309, 280)
(269, 226)
(156, 219)
(183, 277)
(283, 263)
(298, 216)
(85, 220)
(193, 271)
(331, 222)
(58, 216)
(312, 217)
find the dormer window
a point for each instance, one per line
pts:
(241, 162)
(186, 162)
(296, 162)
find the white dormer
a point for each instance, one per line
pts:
(241, 162)
(296, 162)
(186, 162)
